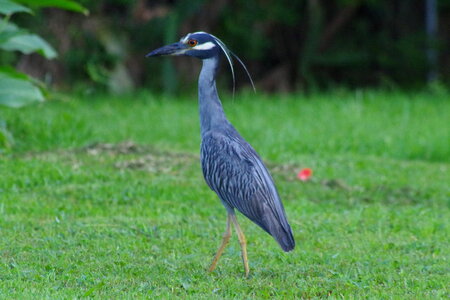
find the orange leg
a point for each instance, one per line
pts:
(243, 243)
(225, 240)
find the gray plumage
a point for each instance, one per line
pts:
(231, 167)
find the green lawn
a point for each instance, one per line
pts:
(104, 197)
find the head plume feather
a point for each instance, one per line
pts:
(229, 55)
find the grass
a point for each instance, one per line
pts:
(85, 214)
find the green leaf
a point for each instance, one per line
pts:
(29, 43)
(8, 7)
(8, 30)
(16, 92)
(11, 72)
(6, 138)
(6, 35)
(13, 38)
(63, 4)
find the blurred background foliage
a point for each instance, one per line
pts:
(287, 45)
(17, 88)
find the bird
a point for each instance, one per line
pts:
(230, 165)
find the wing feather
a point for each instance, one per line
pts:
(234, 170)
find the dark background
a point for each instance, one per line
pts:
(287, 45)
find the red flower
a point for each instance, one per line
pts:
(304, 174)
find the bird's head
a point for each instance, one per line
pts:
(198, 44)
(201, 45)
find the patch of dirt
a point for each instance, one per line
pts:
(404, 195)
(151, 160)
(126, 147)
(128, 155)
(159, 162)
(148, 159)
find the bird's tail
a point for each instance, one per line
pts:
(280, 230)
(285, 238)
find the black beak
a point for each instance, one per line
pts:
(172, 49)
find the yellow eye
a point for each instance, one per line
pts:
(192, 43)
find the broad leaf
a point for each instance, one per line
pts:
(9, 30)
(7, 26)
(11, 72)
(13, 38)
(29, 43)
(16, 92)
(6, 139)
(8, 7)
(63, 4)
(6, 35)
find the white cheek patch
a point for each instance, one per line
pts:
(204, 46)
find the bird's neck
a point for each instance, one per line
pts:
(212, 115)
